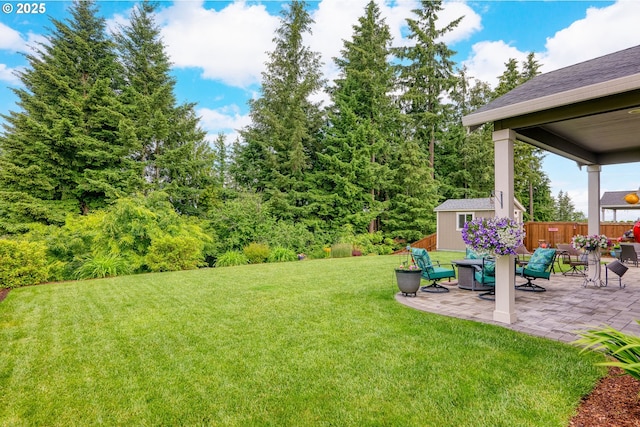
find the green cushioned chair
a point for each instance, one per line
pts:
(431, 271)
(485, 275)
(538, 267)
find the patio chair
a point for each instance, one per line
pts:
(431, 272)
(521, 255)
(485, 275)
(630, 253)
(576, 260)
(538, 267)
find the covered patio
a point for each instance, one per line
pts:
(566, 306)
(588, 112)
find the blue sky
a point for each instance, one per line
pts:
(218, 49)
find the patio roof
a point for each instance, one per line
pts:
(588, 112)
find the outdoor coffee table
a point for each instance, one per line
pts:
(466, 271)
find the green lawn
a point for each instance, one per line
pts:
(313, 343)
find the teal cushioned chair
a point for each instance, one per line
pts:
(431, 271)
(485, 275)
(538, 267)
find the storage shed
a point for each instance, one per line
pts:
(454, 213)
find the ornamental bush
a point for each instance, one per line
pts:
(256, 253)
(22, 263)
(168, 253)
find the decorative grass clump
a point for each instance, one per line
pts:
(232, 258)
(280, 254)
(314, 343)
(341, 250)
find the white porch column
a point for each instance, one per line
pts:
(505, 310)
(593, 194)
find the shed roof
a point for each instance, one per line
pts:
(478, 204)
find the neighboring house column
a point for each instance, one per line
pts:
(503, 140)
(593, 224)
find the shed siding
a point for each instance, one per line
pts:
(450, 239)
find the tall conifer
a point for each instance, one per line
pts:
(355, 176)
(280, 144)
(66, 146)
(426, 75)
(171, 152)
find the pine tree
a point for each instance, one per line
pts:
(171, 152)
(426, 73)
(411, 215)
(355, 176)
(68, 145)
(280, 144)
(465, 160)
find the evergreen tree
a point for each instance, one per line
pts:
(281, 142)
(411, 215)
(426, 74)
(564, 207)
(466, 160)
(221, 167)
(171, 151)
(355, 176)
(69, 144)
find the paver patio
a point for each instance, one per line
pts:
(565, 308)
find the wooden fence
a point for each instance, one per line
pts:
(553, 233)
(550, 233)
(428, 243)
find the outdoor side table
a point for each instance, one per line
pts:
(616, 267)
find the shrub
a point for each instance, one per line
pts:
(294, 236)
(22, 263)
(256, 253)
(103, 265)
(168, 253)
(281, 254)
(341, 250)
(622, 347)
(232, 258)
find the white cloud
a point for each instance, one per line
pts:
(603, 30)
(488, 58)
(470, 23)
(228, 120)
(334, 21)
(7, 75)
(10, 39)
(229, 45)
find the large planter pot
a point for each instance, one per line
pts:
(408, 281)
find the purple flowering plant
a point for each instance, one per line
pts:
(493, 236)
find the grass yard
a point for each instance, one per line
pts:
(312, 343)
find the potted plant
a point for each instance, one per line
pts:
(408, 276)
(592, 245)
(616, 250)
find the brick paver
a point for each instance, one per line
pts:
(565, 308)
